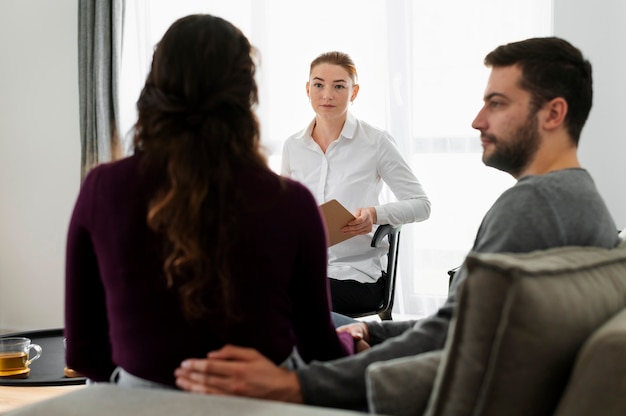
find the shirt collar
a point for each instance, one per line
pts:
(349, 128)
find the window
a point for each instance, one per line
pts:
(421, 76)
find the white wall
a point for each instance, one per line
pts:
(598, 28)
(40, 150)
(39, 157)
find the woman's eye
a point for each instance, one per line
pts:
(340, 87)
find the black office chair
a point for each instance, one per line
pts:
(451, 274)
(386, 304)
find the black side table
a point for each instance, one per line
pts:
(47, 370)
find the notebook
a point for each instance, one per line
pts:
(335, 216)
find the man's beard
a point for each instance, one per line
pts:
(514, 155)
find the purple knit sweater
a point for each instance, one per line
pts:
(119, 311)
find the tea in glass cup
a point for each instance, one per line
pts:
(15, 356)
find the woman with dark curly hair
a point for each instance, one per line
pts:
(193, 242)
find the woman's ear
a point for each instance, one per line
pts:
(355, 92)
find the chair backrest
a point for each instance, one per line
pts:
(386, 304)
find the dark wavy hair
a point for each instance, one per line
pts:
(196, 129)
(551, 67)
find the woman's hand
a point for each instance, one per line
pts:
(362, 224)
(360, 334)
(357, 330)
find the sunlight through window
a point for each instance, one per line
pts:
(421, 77)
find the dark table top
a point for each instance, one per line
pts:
(47, 370)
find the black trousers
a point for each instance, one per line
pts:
(350, 296)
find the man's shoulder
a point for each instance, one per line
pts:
(556, 178)
(575, 182)
(560, 208)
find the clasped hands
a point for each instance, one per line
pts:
(240, 371)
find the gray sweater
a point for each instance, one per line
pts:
(561, 208)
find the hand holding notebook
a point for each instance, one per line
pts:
(336, 216)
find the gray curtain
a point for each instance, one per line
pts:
(100, 24)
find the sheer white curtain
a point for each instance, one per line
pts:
(421, 77)
(99, 54)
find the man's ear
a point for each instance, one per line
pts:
(556, 110)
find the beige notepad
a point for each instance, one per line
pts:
(336, 216)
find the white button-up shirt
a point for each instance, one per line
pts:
(352, 171)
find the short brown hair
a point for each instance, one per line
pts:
(337, 58)
(551, 67)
